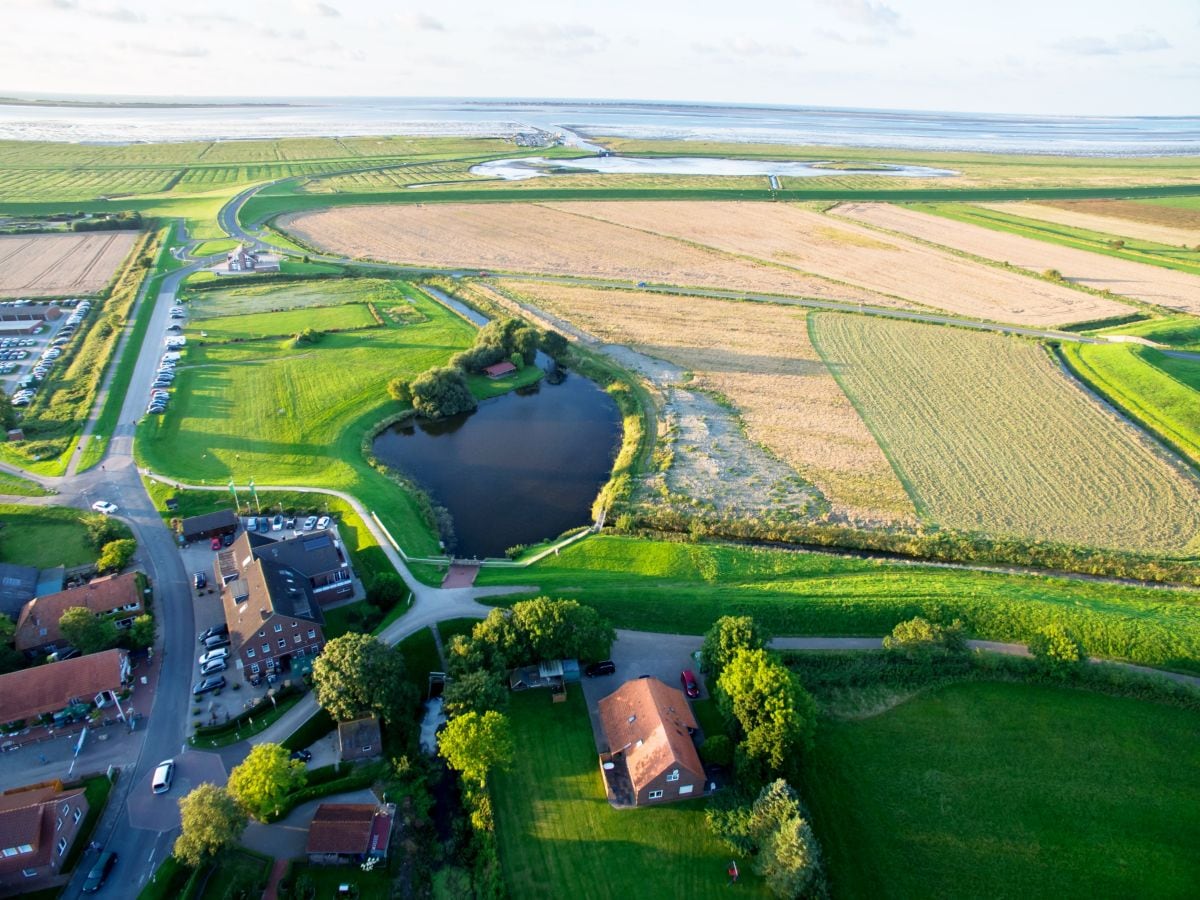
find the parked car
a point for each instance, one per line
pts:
(216, 642)
(264, 524)
(302, 755)
(200, 581)
(99, 872)
(251, 523)
(103, 506)
(215, 543)
(323, 523)
(691, 687)
(213, 631)
(277, 523)
(63, 653)
(310, 523)
(174, 328)
(212, 683)
(213, 666)
(209, 655)
(604, 667)
(289, 524)
(227, 540)
(161, 782)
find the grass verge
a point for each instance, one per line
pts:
(44, 536)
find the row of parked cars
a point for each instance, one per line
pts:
(160, 394)
(51, 354)
(263, 524)
(214, 659)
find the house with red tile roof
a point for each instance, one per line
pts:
(85, 681)
(38, 824)
(119, 596)
(343, 833)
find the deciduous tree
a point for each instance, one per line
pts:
(211, 821)
(141, 633)
(474, 744)
(398, 389)
(476, 690)
(1057, 650)
(918, 636)
(728, 635)
(82, 629)
(264, 778)
(442, 391)
(116, 555)
(357, 675)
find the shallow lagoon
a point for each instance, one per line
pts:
(540, 167)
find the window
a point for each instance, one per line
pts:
(25, 848)
(312, 634)
(266, 648)
(655, 795)
(295, 624)
(250, 652)
(66, 808)
(299, 639)
(10, 851)
(674, 776)
(77, 815)
(686, 788)
(262, 634)
(282, 643)
(254, 668)
(62, 844)
(58, 825)
(278, 628)
(29, 873)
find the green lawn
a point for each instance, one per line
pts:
(20, 487)
(420, 658)
(240, 298)
(682, 588)
(299, 416)
(1003, 790)
(251, 326)
(44, 536)
(226, 869)
(374, 885)
(1181, 332)
(558, 836)
(1161, 392)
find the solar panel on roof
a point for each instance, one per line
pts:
(316, 542)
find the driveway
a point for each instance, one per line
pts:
(287, 838)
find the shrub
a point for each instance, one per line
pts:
(717, 749)
(1056, 650)
(441, 392)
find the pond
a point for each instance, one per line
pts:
(538, 166)
(522, 468)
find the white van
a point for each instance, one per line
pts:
(161, 783)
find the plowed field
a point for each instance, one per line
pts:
(1153, 284)
(854, 255)
(759, 357)
(531, 238)
(991, 436)
(1126, 218)
(51, 265)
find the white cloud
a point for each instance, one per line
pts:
(1143, 41)
(865, 13)
(557, 40)
(748, 48)
(317, 8)
(420, 22)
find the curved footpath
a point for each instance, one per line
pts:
(140, 844)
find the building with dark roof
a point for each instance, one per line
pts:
(651, 756)
(38, 824)
(274, 618)
(18, 585)
(317, 556)
(342, 833)
(215, 524)
(359, 739)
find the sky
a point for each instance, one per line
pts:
(1084, 57)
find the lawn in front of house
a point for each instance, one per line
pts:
(44, 536)
(558, 836)
(1010, 790)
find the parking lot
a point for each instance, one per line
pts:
(199, 558)
(164, 377)
(26, 360)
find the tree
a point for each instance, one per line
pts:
(918, 636)
(728, 635)
(442, 391)
(774, 713)
(82, 629)
(477, 690)
(560, 629)
(553, 343)
(718, 749)
(8, 413)
(141, 633)
(211, 821)
(474, 744)
(398, 389)
(1057, 650)
(357, 675)
(10, 658)
(102, 529)
(788, 854)
(264, 778)
(116, 555)
(386, 590)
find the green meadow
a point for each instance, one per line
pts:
(44, 536)
(682, 588)
(289, 413)
(1161, 392)
(1008, 790)
(1181, 332)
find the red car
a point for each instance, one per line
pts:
(215, 543)
(691, 687)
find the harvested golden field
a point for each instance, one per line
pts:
(516, 237)
(808, 241)
(52, 265)
(1152, 284)
(758, 356)
(1125, 218)
(991, 436)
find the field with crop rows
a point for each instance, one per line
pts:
(55, 265)
(535, 238)
(82, 184)
(758, 357)
(1126, 218)
(390, 179)
(990, 436)
(791, 235)
(1148, 283)
(1161, 392)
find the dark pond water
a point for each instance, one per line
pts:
(520, 469)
